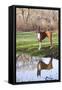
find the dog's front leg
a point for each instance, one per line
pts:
(39, 48)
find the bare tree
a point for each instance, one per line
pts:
(31, 19)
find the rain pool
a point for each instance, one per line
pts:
(27, 71)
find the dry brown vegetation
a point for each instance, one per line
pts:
(30, 19)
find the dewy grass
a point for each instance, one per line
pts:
(26, 42)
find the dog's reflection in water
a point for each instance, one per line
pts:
(42, 66)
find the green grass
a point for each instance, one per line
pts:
(26, 42)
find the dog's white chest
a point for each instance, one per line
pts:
(38, 36)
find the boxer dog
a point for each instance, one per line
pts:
(42, 35)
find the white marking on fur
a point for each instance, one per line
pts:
(38, 36)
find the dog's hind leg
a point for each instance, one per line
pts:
(51, 44)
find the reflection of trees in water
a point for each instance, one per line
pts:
(27, 70)
(28, 62)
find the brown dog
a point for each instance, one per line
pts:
(42, 35)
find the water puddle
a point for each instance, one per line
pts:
(27, 68)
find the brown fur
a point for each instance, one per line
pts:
(47, 34)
